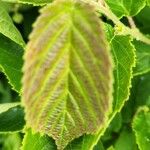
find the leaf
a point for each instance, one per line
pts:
(67, 80)
(11, 117)
(12, 142)
(126, 7)
(143, 20)
(34, 2)
(142, 96)
(126, 141)
(11, 61)
(143, 57)
(7, 27)
(148, 2)
(141, 127)
(99, 146)
(124, 58)
(37, 142)
(124, 55)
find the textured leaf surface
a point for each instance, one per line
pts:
(11, 61)
(123, 53)
(7, 27)
(126, 7)
(11, 117)
(37, 142)
(124, 56)
(141, 127)
(143, 58)
(67, 80)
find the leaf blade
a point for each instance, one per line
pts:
(12, 117)
(74, 65)
(126, 8)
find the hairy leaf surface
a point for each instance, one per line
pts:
(126, 7)
(141, 127)
(123, 53)
(11, 117)
(67, 83)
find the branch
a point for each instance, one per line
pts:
(135, 33)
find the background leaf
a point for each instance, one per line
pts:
(11, 61)
(12, 141)
(7, 27)
(141, 127)
(143, 58)
(37, 142)
(67, 65)
(126, 7)
(126, 141)
(12, 117)
(34, 2)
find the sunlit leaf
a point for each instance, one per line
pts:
(67, 83)
(126, 7)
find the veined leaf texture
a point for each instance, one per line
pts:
(67, 83)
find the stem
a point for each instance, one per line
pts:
(135, 33)
(131, 22)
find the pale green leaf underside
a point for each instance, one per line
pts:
(141, 127)
(67, 83)
(7, 27)
(123, 53)
(5, 107)
(126, 7)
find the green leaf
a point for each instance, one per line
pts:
(67, 80)
(126, 141)
(141, 127)
(143, 20)
(12, 142)
(7, 27)
(111, 148)
(99, 146)
(148, 2)
(11, 61)
(11, 117)
(142, 96)
(34, 2)
(124, 56)
(143, 57)
(126, 7)
(37, 142)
